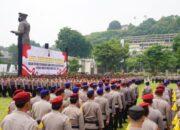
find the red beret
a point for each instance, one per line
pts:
(78, 85)
(74, 95)
(59, 90)
(123, 84)
(144, 105)
(91, 84)
(118, 86)
(107, 80)
(18, 91)
(113, 81)
(148, 97)
(22, 96)
(103, 79)
(57, 100)
(161, 87)
(159, 90)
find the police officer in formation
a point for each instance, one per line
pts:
(74, 113)
(103, 106)
(19, 119)
(158, 108)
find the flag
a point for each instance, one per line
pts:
(174, 96)
(174, 107)
(175, 120)
(41, 125)
(128, 127)
(177, 126)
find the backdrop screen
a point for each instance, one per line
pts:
(41, 61)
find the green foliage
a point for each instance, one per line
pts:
(154, 60)
(132, 64)
(1, 55)
(33, 43)
(176, 44)
(74, 42)
(144, 28)
(158, 59)
(101, 37)
(176, 48)
(114, 25)
(74, 66)
(110, 54)
(170, 24)
(13, 50)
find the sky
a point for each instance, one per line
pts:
(47, 17)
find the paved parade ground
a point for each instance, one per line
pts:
(6, 101)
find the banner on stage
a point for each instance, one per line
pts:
(41, 61)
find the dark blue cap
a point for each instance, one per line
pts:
(113, 86)
(136, 112)
(166, 83)
(90, 92)
(100, 83)
(130, 81)
(94, 85)
(44, 92)
(67, 84)
(107, 88)
(119, 81)
(39, 89)
(85, 86)
(147, 83)
(84, 83)
(75, 89)
(100, 91)
(133, 80)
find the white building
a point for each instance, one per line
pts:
(88, 66)
(125, 27)
(140, 43)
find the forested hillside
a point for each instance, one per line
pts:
(170, 24)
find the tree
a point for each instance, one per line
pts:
(132, 64)
(110, 55)
(158, 59)
(114, 25)
(74, 42)
(176, 48)
(144, 27)
(74, 66)
(33, 43)
(170, 24)
(170, 60)
(13, 50)
(176, 43)
(1, 55)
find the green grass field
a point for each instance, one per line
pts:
(4, 102)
